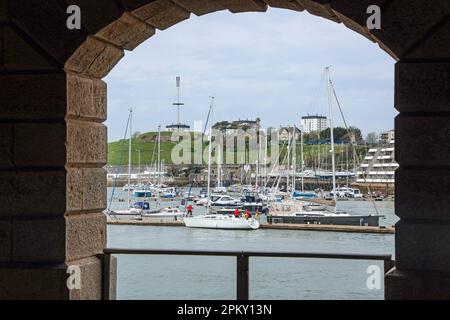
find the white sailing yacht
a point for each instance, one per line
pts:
(135, 210)
(218, 221)
(310, 212)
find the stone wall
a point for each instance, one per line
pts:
(53, 142)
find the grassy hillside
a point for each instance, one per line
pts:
(148, 144)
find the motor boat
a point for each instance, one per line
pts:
(311, 213)
(304, 195)
(218, 221)
(142, 193)
(217, 200)
(168, 193)
(253, 203)
(346, 192)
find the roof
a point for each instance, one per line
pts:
(178, 126)
(245, 121)
(289, 129)
(313, 117)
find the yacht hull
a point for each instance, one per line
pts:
(220, 223)
(370, 221)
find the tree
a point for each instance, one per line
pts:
(339, 134)
(356, 132)
(222, 125)
(372, 138)
(136, 135)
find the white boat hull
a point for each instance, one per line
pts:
(221, 222)
(125, 214)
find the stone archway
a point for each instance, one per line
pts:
(53, 104)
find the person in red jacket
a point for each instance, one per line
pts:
(237, 213)
(247, 215)
(190, 208)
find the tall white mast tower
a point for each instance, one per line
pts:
(178, 104)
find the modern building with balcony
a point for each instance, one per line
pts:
(377, 170)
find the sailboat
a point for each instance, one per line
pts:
(135, 210)
(311, 212)
(218, 221)
(219, 189)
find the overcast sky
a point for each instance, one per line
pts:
(268, 65)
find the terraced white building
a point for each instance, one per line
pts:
(378, 166)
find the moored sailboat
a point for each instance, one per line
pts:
(218, 221)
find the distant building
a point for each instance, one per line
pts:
(387, 137)
(235, 126)
(247, 124)
(314, 123)
(378, 165)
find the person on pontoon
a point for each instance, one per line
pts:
(190, 209)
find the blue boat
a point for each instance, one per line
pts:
(142, 193)
(142, 205)
(304, 195)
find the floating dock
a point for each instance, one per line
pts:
(275, 226)
(146, 222)
(328, 227)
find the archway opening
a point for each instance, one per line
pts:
(252, 66)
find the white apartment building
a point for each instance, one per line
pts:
(387, 137)
(314, 123)
(378, 166)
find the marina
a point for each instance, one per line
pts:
(385, 209)
(284, 199)
(278, 226)
(253, 149)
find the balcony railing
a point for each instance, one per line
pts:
(242, 262)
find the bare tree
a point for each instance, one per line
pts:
(372, 138)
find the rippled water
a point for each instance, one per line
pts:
(180, 277)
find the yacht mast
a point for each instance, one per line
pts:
(159, 167)
(288, 159)
(139, 167)
(294, 159)
(301, 158)
(129, 156)
(219, 168)
(330, 110)
(211, 108)
(266, 147)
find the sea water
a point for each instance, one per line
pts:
(203, 277)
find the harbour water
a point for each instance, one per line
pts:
(191, 277)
